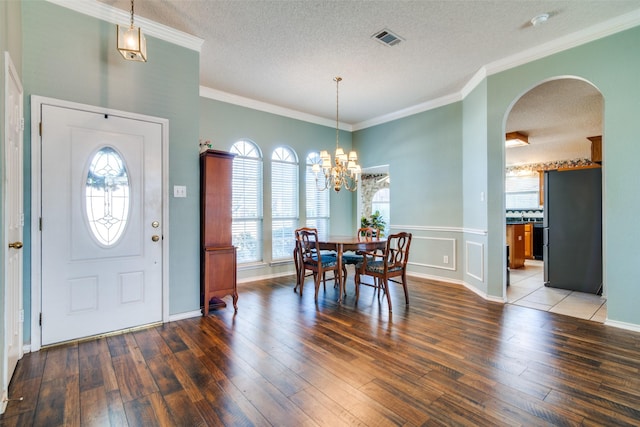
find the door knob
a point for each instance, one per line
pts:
(155, 237)
(16, 245)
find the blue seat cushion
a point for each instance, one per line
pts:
(351, 258)
(326, 263)
(378, 267)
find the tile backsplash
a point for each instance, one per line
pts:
(532, 215)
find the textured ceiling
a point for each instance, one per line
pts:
(286, 53)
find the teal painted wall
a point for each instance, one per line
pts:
(424, 154)
(439, 160)
(224, 124)
(613, 66)
(89, 70)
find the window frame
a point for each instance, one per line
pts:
(248, 154)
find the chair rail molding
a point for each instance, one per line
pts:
(397, 227)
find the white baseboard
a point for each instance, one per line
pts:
(185, 315)
(622, 325)
(3, 403)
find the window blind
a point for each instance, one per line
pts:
(246, 224)
(317, 202)
(284, 202)
(522, 192)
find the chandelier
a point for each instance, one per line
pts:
(131, 42)
(344, 171)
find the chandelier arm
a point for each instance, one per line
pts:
(326, 182)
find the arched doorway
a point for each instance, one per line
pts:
(561, 122)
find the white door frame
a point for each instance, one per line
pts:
(36, 204)
(11, 313)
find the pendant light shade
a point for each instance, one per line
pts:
(131, 42)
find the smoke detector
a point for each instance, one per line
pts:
(387, 37)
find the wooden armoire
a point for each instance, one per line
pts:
(217, 255)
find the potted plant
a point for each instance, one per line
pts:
(374, 221)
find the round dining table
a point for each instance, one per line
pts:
(348, 243)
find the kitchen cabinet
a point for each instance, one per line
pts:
(596, 148)
(217, 253)
(528, 240)
(515, 240)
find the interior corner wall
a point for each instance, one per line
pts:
(609, 64)
(73, 57)
(474, 192)
(224, 124)
(424, 153)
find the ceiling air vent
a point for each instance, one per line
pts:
(387, 38)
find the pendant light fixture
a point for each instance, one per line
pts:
(131, 42)
(345, 171)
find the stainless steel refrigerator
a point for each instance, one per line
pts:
(572, 250)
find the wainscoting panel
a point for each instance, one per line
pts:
(474, 255)
(433, 252)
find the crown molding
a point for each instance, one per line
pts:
(117, 16)
(218, 95)
(587, 35)
(410, 111)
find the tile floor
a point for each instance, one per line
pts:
(527, 289)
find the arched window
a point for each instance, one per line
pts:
(247, 201)
(317, 203)
(284, 202)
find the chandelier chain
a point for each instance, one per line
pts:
(337, 80)
(131, 13)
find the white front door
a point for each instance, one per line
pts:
(14, 222)
(101, 223)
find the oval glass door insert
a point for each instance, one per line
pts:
(107, 196)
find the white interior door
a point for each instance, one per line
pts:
(101, 223)
(14, 222)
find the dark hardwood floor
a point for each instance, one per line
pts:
(450, 358)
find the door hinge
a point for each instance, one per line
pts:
(40, 321)
(22, 124)
(40, 223)
(40, 128)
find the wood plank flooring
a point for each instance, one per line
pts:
(450, 358)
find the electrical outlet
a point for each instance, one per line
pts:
(445, 259)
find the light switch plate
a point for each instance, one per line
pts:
(179, 191)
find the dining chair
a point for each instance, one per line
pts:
(391, 264)
(312, 259)
(364, 234)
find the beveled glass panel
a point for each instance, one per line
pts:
(107, 196)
